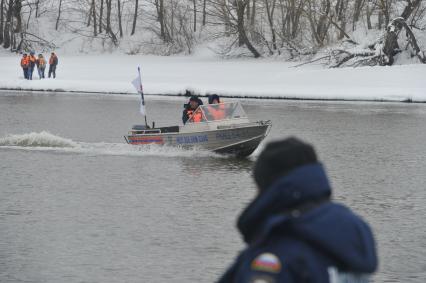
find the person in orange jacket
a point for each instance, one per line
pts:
(216, 108)
(190, 110)
(25, 64)
(31, 64)
(41, 66)
(53, 62)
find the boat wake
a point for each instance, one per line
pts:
(42, 139)
(45, 141)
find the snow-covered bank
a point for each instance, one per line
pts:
(237, 78)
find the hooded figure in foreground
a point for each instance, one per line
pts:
(293, 231)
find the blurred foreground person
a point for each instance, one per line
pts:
(293, 231)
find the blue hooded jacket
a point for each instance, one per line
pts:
(295, 234)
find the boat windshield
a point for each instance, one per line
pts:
(216, 112)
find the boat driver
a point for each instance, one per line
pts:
(190, 108)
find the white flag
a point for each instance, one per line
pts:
(137, 83)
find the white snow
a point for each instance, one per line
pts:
(204, 74)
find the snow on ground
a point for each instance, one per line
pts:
(208, 74)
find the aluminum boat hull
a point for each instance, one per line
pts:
(236, 139)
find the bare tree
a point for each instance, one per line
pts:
(358, 5)
(195, 14)
(108, 16)
(385, 10)
(340, 23)
(242, 35)
(270, 9)
(7, 32)
(391, 46)
(95, 32)
(319, 19)
(1, 20)
(37, 4)
(101, 13)
(291, 27)
(108, 28)
(59, 15)
(159, 4)
(120, 26)
(204, 12)
(135, 16)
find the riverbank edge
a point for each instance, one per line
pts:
(263, 97)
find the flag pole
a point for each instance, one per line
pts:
(142, 96)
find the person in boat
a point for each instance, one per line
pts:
(190, 110)
(293, 230)
(214, 99)
(216, 110)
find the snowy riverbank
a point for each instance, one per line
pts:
(237, 78)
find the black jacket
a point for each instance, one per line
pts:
(295, 234)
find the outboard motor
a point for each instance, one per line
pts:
(140, 127)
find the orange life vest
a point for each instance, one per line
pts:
(217, 111)
(24, 62)
(195, 116)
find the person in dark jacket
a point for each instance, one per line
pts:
(53, 62)
(293, 231)
(190, 107)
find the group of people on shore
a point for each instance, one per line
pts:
(29, 62)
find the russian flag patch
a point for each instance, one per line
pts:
(266, 262)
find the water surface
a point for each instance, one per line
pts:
(79, 205)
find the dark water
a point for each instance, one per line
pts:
(85, 207)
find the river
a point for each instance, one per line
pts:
(77, 204)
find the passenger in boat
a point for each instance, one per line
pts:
(190, 108)
(293, 230)
(214, 99)
(216, 110)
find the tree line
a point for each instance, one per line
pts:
(263, 27)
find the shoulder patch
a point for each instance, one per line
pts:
(266, 262)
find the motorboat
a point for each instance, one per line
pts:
(223, 128)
